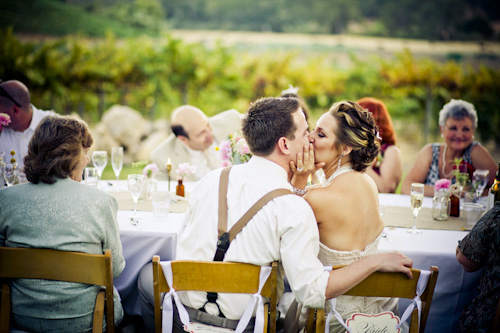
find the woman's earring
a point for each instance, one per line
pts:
(442, 135)
(340, 160)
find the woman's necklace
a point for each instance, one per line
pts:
(444, 163)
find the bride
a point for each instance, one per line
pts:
(344, 143)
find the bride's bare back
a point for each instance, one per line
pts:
(347, 211)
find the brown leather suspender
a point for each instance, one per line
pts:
(226, 237)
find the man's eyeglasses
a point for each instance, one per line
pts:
(5, 94)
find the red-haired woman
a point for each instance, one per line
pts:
(387, 169)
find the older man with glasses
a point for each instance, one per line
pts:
(15, 100)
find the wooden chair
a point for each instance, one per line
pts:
(32, 263)
(381, 284)
(220, 277)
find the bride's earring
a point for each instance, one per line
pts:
(340, 160)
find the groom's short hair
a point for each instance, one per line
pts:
(268, 119)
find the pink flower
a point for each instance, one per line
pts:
(150, 170)
(4, 120)
(185, 169)
(442, 184)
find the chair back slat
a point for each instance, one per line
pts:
(383, 284)
(213, 276)
(48, 264)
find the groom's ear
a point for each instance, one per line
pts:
(283, 146)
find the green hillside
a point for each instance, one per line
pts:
(49, 17)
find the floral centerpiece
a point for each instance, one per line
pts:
(4, 121)
(234, 150)
(150, 170)
(184, 169)
(441, 201)
(442, 185)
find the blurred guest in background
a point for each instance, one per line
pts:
(55, 211)
(193, 140)
(346, 206)
(387, 169)
(293, 92)
(458, 123)
(15, 100)
(481, 248)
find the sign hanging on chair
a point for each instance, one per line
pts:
(385, 322)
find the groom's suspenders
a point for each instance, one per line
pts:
(226, 237)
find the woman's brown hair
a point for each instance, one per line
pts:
(55, 149)
(356, 129)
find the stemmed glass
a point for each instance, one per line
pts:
(479, 181)
(117, 161)
(135, 184)
(417, 198)
(100, 159)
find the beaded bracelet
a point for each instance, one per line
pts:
(298, 191)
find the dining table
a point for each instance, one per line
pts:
(434, 246)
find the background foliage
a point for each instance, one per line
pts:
(155, 75)
(423, 19)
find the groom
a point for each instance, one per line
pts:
(284, 230)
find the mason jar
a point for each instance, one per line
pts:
(441, 205)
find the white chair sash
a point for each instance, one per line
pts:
(168, 310)
(423, 279)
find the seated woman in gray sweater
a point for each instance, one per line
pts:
(55, 211)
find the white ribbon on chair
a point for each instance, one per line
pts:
(423, 279)
(168, 309)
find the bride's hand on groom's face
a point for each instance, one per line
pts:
(305, 164)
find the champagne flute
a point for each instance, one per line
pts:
(100, 159)
(135, 184)
(117, 161)
(417, 198)
(479, 181)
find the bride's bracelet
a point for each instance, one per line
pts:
(298, 191)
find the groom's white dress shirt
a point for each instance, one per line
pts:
(284, 230)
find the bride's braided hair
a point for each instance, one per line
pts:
(356, 129)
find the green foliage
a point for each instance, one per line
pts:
(50, 17)
(155, 75)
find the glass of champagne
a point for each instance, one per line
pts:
(479, 181)
(100, 159)
(135, 184)
(417, 198)
(117, 162)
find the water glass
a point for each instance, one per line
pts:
(100, 159)
(91, 176)
(161, 203)
(473, 212)
(117, 161)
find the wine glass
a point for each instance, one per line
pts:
(135, 184)
(417, 198)
(479, 181)
(100, 159)
(117, 161)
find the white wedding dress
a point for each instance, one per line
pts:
(349, 305)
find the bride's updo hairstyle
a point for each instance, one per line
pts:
(55, 149)
(356, 128)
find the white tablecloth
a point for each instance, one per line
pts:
(157, 237)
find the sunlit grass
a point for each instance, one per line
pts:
(109, 174)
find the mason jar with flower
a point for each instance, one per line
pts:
(441, 200)
(150, 182)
